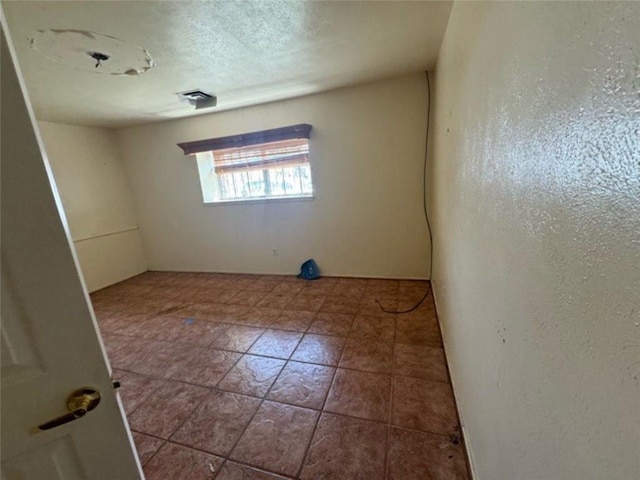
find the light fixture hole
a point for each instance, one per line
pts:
(99, 57)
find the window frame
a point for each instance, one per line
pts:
(211, 187)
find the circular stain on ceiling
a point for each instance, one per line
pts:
(92, 52)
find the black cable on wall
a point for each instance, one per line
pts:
(424, 205)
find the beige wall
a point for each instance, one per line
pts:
(367, 149)
(95, 194)
(535, 199)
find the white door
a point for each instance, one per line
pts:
(50, 345)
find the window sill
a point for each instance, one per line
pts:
(260, 200)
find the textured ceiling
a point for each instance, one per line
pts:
(245, 52)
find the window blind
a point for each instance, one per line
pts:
(285, 153)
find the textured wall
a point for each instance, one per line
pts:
(535, 200)
(367, 153)
(97, 202)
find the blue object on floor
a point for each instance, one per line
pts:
(309, 270)
(189, 321)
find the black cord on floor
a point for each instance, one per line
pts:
(426, 213)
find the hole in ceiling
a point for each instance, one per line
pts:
(92, 52)
(98, 57)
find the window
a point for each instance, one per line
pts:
(272, 164)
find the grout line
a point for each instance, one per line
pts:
(244, 430)
(324, 403)
(264, 398)
(242, 355)
(444, 436)
(252, 467)
(259, 406)
(193, 412)
(182, 445)
(164, 442)
(206, 396)
(189, 415)
(222, 465)
(287, 360)
(321, 410)
(393, 381)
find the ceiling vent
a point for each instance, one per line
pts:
(198, 98)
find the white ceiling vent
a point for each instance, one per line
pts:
(198, 98)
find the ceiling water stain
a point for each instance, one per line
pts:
(92, 52)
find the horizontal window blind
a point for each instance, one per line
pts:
(285, 153)
(268, 164)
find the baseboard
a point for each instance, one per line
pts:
(380, 277)
(463, 427)
(116, 283)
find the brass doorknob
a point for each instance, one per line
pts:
(79, 403)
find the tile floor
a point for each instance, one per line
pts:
(271, 377)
